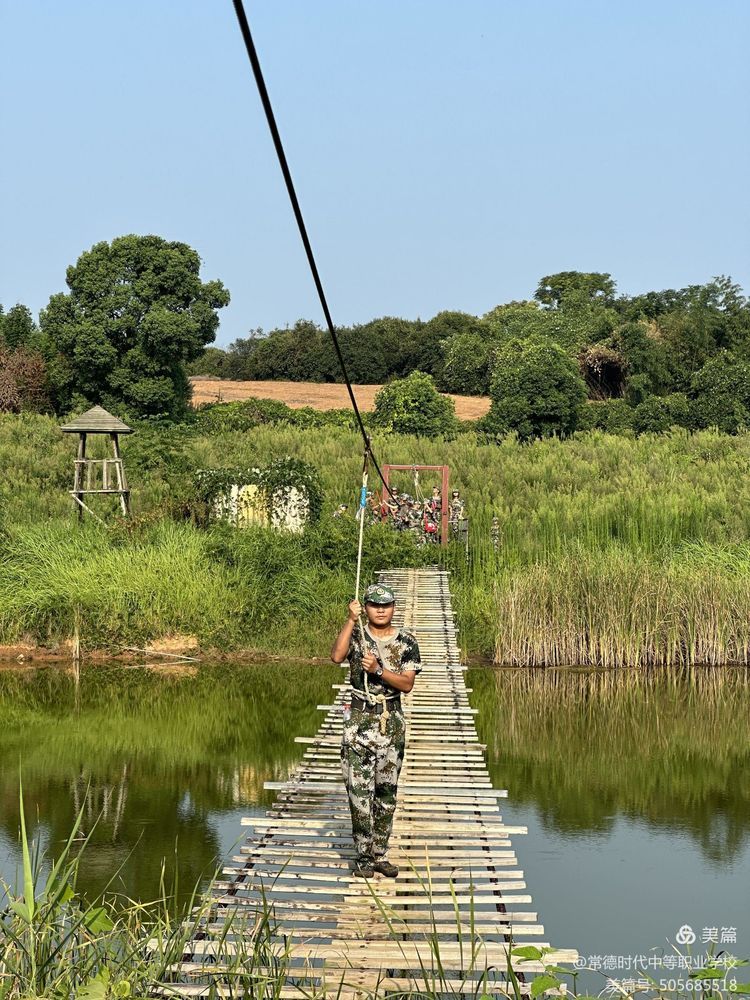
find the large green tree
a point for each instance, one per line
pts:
(566, 287)
(137, 312)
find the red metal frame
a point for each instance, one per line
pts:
(443, 470)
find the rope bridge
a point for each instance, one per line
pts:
(460, 892)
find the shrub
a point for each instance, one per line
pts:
(214, 362)
(213, 418)
(721, 390)
(536, 390)
(243, 415)
(613, 416)
(413, 405)
(658, 413)
(468, 358)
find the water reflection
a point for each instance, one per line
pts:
(155, 759)
(587, 748)
(166, 763)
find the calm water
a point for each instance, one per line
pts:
(635, 788)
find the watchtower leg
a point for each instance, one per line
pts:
(122, 483)
(78, 478)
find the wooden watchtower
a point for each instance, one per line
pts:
(98, 475)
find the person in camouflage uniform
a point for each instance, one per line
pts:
(374, 732)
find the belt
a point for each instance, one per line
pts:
(363, 705)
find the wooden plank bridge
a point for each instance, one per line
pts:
(445, 925)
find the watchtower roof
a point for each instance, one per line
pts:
(96, 421)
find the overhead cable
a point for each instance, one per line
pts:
(247, 37)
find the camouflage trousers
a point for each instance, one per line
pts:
(371, 763)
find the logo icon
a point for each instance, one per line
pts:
(685, 935)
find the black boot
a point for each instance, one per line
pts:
(384, 866)
(363, 868)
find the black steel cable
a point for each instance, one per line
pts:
(239, 9)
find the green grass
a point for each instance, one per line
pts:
(612, 550)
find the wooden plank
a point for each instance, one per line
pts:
(460, 857)
(493, 919)
(346, 949)
(337, 878)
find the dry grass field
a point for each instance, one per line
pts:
(320, 396)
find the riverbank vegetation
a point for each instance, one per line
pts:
(610, 550)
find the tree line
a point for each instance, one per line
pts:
(137, 321)
(576, 355)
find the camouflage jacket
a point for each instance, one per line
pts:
(402, 655)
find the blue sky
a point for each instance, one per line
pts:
(446, 154)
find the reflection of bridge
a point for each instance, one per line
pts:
(459, 892)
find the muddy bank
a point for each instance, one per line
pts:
(170, 650)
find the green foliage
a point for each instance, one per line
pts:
(646, 356)
(241, 415)
(373, 352)
(467, 364)
(423, 348)
(657, 414)
(705, 320)
(302, 354)
(536, 391)
(214, 362)
(414, 406)
(579, 322)
(721, 390)
(239, 353)
(17, 327)
(613, 416)
(567, 287)
(135, 314)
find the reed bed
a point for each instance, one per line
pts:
(616, 608)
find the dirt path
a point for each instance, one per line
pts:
(320, 396)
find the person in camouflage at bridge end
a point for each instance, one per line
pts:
(374, 734)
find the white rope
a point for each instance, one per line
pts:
(361, 515)
(371, 699)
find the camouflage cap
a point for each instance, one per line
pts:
(376, 593)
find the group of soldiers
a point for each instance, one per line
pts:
(421, 516)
